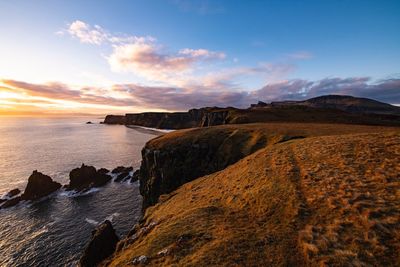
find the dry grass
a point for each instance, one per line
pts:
(330, 200)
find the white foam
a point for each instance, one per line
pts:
(111, 217)
(108, 218)
(152, 129)
(92, 222)
(74, 193)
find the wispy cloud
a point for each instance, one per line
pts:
(143, 56)
(138, 97)
(96, 35)
(59, 91)
(87, 34)
(146, 58)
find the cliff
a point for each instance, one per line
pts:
(171, 160)
(309, 195)
(324, 109)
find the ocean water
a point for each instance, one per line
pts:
(54, 232)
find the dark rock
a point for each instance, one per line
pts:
(11, 202)
(86, 177)
(122, 176)
(121, 169)
(115, 119)
(39, 185)
(13, 193)
(103, 170)
(135, 176)
(102, 245)
(89, 122)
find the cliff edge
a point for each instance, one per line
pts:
(330, 198)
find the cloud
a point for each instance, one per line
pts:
(59, 91)
(384, 90)
(138, 97)
(202, 53)
(96, 35)
(182, 99)
(86, 33)
(143, 56)
(146, 59)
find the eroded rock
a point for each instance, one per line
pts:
(39, 185)
(86, 177)
(102, 245)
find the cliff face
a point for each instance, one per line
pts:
(182, 156)
(198, 152)
(327, 199)
(115, 119)
(325, 109)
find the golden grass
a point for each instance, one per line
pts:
(326, 200)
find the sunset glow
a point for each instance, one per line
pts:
(120, 61)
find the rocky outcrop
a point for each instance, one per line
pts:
(39, 185)
(11, 202)
(86, 177)
(11, 198)
(123, 173)
(115, 119)
(135, 176)
(102, 245)
(13, 193)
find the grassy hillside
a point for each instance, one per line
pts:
(320, 200)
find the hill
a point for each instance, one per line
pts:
(311, 195)
(345, 103)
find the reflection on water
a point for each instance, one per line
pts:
(53, 232)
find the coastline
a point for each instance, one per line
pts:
(149, 130)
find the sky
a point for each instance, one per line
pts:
(100, 57)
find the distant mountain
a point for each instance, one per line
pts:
(346, 103)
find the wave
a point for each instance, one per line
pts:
(74, 193)
(108, 218)
(92, 222)
(150, 129)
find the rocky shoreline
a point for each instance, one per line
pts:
(81, 180)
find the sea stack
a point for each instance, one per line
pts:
(39, 185)
(86, 177)
(102, 245)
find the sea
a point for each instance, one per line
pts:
(55, 231)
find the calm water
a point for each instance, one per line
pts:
(54, 232)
